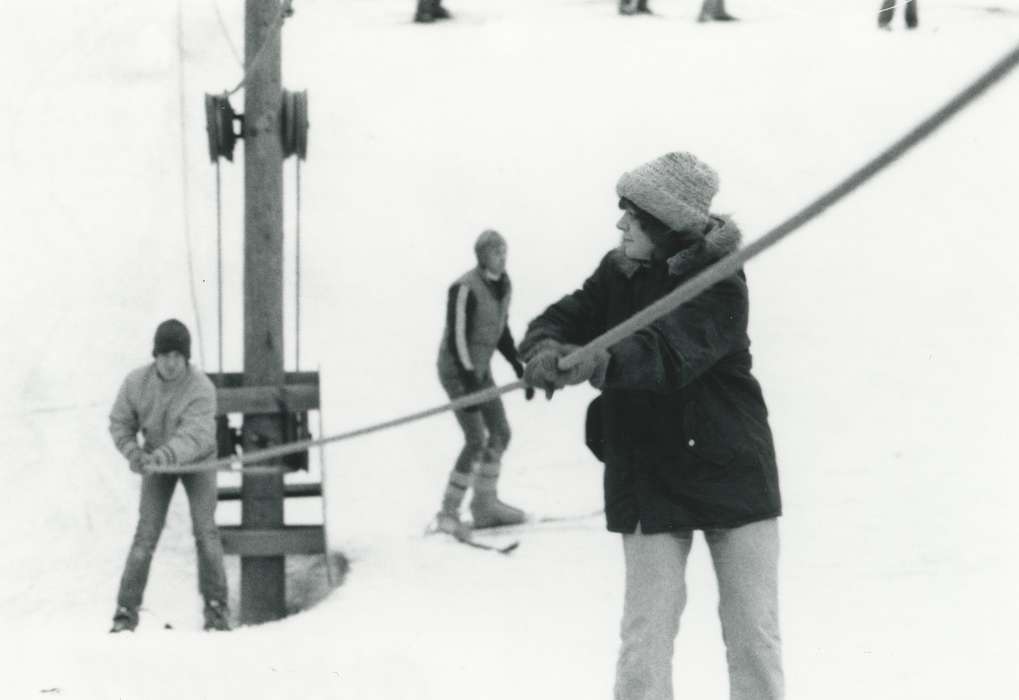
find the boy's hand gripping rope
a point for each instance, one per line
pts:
(725, 267)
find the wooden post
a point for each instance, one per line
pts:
(263, 582)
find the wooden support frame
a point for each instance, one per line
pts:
(299, 392)
(273, 542)
(300, 490)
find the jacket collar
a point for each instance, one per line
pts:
(723, 237)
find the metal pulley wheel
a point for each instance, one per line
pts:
(294, 124)
(219, 123)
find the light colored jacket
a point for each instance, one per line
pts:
(176, 417)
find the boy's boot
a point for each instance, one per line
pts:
(714, 11)
(124, 620)
(628, 7)
(642, 8)
(217, 616)
(486, 508)
(425, 11)
(885, 14)
(440, 12)
(912, 21)
(720, 14)
(448, 518)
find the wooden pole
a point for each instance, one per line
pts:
(263, 582)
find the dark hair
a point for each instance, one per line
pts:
(665, 239)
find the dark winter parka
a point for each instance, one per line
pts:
(681, 424)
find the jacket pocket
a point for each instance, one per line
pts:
(706, 435)
(594, 429)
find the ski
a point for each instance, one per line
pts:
(465, 536)
(535, 522)
(499, 549)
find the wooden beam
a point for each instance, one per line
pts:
(301, 490)
(235, 379)
(273, 542)
(267, 399)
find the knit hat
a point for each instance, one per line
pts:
(675, 188)
(172, 335)
(488, 238)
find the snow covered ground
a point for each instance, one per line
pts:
(885, 334)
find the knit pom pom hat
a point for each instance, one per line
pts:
(172, 335)
(675, 188)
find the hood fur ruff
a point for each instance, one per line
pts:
(722, 238)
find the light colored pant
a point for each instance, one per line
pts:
(746, 566)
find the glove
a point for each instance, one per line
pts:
(590, 369)
(532, 350)
(542, 371)
(161, 457)
(518, 369)
(137, 460)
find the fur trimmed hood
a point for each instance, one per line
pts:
(723, 237)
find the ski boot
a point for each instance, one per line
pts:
(125, 619)
(448, 518)
(440, 12)
(714, 11)
(629, 7)
(486, 508)
(217, 616)
(425, 11)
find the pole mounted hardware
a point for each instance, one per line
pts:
(220, 118)
(294, 124)
(219, 123)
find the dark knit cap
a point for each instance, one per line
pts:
(172, 335)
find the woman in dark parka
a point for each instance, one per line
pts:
(681, 426)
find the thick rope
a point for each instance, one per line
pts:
(285, 11)
(731, 264)
(709, 276)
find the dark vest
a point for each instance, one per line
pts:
(487, 324)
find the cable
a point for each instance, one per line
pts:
(226, 34)
(732, 263)
(297, 273)
(219, 268)
(184, 180)
(720, 270)
(286, 10)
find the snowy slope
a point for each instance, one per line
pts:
(885, 334)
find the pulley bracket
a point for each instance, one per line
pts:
(219, 124)
(294, 124)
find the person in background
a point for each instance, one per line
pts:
(714, 11)
(477, 313)
(711, 10)
(430, 11)
(634, 7)
(680, 425)
(172, 406)
(887, 12)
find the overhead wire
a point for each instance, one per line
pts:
(226, 34)
(286, 9)
(185, 183)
